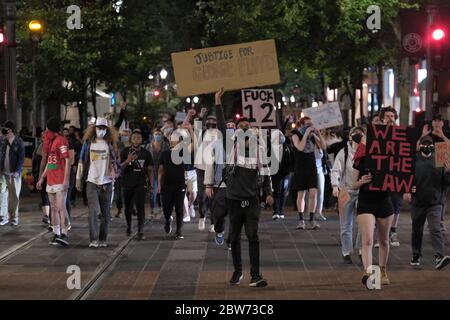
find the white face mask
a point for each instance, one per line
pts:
(101, 133)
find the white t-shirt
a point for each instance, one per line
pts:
(99, 168)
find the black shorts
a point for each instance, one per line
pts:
(380, 209)
(305, 180)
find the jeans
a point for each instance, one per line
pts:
(3, 198)
(136, 193)
(245, 213)
(397, 202)
(118, 194)
(280, 191)
(320, 191)
(419, 215)
(346, 226)
(154, 194)
(99, 202)
(11, 196)
(170, 199)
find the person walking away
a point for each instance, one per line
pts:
(156, 147)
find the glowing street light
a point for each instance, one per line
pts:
(163, 74)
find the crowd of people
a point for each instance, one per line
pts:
(203, 162)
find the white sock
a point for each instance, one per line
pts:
(57, 230)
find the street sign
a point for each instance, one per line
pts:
(231, 67)
(258, 105)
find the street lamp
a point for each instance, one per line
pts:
(35, 27)
(163, 74)
(188, 100)
(196, 99)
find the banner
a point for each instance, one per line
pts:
(258, 105)
(245, 65)
(390, 154)
(442, 153)
(326, 116)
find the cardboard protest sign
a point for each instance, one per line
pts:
(326, 116)
(245, 65)
(442, 153)
(390, 154)
(258, 105)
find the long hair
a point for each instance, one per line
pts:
(112, 136)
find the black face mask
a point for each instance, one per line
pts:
(427, 150)
(5, 131)
(357, 137)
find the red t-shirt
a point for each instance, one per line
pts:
(56, 163)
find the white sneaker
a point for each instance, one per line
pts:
(14, 223)
(4, 222)
(212, 229)
(192, 212)
(93, 244)
(187, 219)
(102, 244)
(201, 224)
(301, 225)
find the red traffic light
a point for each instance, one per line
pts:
(438, 34)
(156, 93)
(238, 116)
(2, 37)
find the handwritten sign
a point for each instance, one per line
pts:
(442, 153)
(390, 157)
(326, 116)
(239, 66)
(258, 105)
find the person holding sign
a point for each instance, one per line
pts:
(305, 171)
(428, 197)
(374, 207)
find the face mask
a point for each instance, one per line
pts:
(357, 137)
(427, 150)
(101, 133)
(157, 137)
(4, 131)
(125, 139)
(168, 131)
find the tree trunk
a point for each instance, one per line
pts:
(403, 81)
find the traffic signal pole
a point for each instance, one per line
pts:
(432, 11)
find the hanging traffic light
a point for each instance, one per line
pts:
(438, 34)
(36, 29)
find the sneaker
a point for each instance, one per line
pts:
(322, 217)
(4, 222)
(192, 212)
(415, 260)
(102, 244)
(347, 259)
(179, 236)
(258, 282)
(441, 262)
(275, 216)
(313, 225)
(93, 244)
(301, 225)
(212, 229)
(187, 218)
(220, 238)
(364, 280)
(168, 226)
(201, 224)
(140, 236)
(14, 223)
(394, 240)
(53, 240)
(281, 216)
(45, 220)
(63, 239)
(376, 245)
(236, 278)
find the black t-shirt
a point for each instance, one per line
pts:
(365, 194)
(436, 138)
(135, 173)
(303, 160)
(173, 178)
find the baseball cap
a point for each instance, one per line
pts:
(101, 122)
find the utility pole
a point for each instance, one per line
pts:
(10, 55)
(432, 11)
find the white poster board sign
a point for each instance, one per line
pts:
(180, 116)
(326, 116)
(258, 105)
